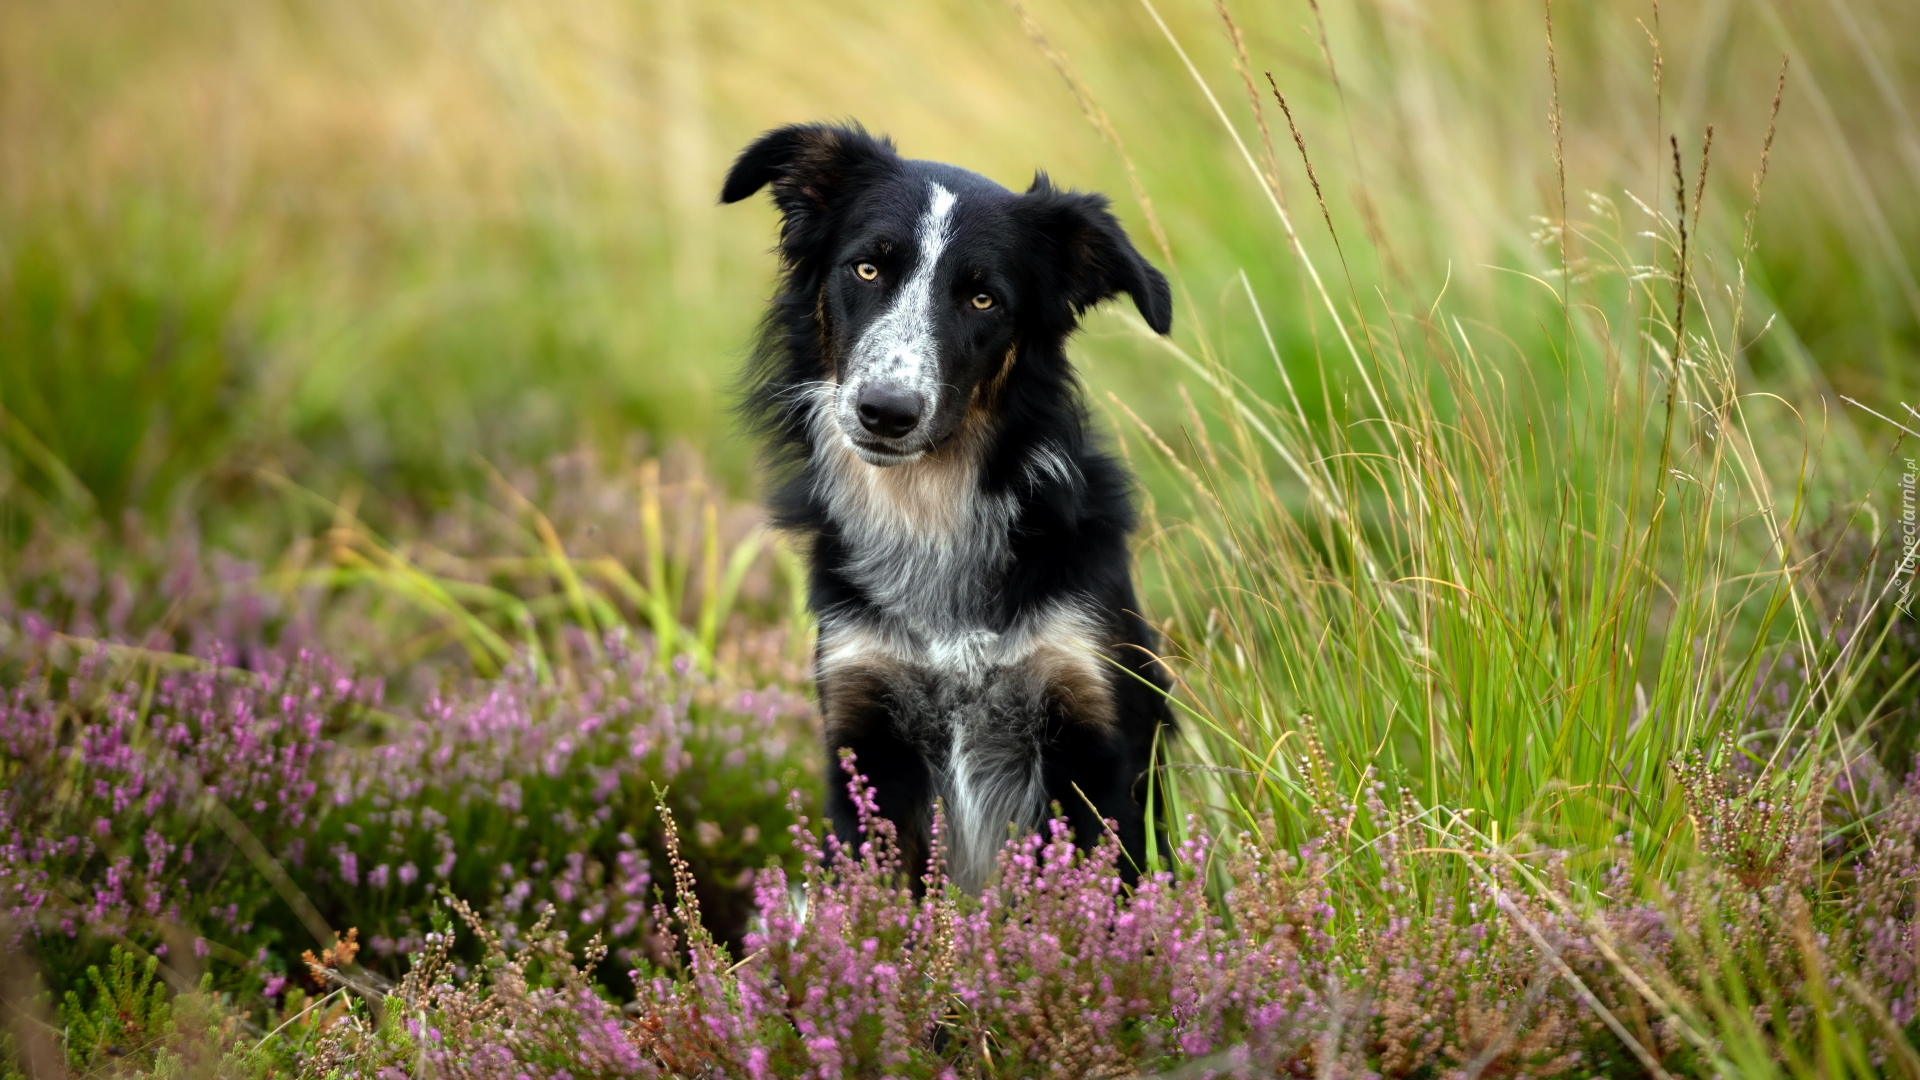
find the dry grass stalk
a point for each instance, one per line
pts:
(1766, 155)
(1301, 144)
(1559, 156)
(1244, 68)
(1680, 268)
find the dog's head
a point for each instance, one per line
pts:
(926, 277)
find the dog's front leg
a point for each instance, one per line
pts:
(861, 712)
(1091, 759)
(1090, 773)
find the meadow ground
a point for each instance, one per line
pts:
(399, 680)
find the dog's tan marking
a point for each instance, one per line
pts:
(1075, 679)
(849, 697)
(1067, 663)
(823, 334)
(986, 394)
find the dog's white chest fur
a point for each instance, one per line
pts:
(926, 545)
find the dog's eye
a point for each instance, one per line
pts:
(866, 270)
(982, 301)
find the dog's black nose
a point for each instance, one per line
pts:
(888, 410)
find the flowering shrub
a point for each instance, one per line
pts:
(525, 1013)
(148, 803)
(123, 807)
(175, 811)
(458, 587)
(1058, 971)
(1388, 944)
(521, 797)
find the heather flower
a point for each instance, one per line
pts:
(402, 816)
(524, 797)
(1060, 969)
(141, 765)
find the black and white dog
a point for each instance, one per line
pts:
(978, 635)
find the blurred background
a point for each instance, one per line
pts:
(372, 251)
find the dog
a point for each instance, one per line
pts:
(967, 536)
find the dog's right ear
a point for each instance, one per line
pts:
(810, 167)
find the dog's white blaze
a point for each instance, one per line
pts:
(899, 346)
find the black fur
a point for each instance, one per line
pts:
(849, 204)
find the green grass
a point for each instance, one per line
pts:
(1519, 583)
(125, 373)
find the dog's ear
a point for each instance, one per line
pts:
(810, 167)
(1092, 254)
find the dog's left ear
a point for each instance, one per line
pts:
(1093, 256)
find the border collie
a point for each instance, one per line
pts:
(979, 641)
